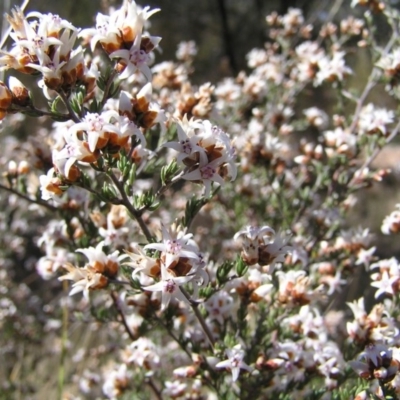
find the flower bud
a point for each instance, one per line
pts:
(12, 167)
(19, 91)
(23, 167)
(5, 99)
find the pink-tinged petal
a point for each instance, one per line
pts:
(128, 71)
(188, 254)
(217, 178)
(235, 373)
(120, 54)
(93, 138)
(155, 246)
(125, 101)
(80, 126)
(146, 71)
(70, 162)
(192, 176)
(175, 146)
(157, 287)
(111, 128)
(224, 364)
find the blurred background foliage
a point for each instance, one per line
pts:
(224, 30)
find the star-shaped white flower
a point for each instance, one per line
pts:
(235, 361)
(169, 287)
(385, 284)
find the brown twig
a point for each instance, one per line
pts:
(108, 87)
(67, 104)
(194, 304)
(135, 213)
(30, 110)
(156, 392)
(375, 153)
(29, 199)
(117, 305)
(170, 333)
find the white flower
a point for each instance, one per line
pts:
(142, 263)
(188, 142)
(235, 361)
(206, 172)
(85, 279)
(374, 119)
(50, 185)
(331, 69)
(116, 381)
(385, 284)
(97, 126)
(391, 223)
(252, 238)
(169, 287)
(175, 246)
(136, 58)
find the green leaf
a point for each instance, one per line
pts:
(168, 172)
(223, 272)
(241, 267)
(193, 206)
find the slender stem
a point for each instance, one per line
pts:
(207, 379)
(200, 318)
(370, 85)
(170, 333)
(90, 190)
(164, 187)
(64, 339)
(135, 213)
(374, 154)
(108, 87)
(117, 305)
(67, 104)
(157, 393)
(29, 199)
(129, 155)
(29, 110)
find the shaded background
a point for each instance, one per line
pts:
(224, 30)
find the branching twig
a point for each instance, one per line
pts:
(375, 153)
(156, 392)
(199, 317)
(67, 104)
(117, 305)
(163, 188)
(108, 87)
(30, 110)
(29, 199)
(170, 333)
(135, 213)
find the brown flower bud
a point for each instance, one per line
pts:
(5, 99)
(19, 91)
